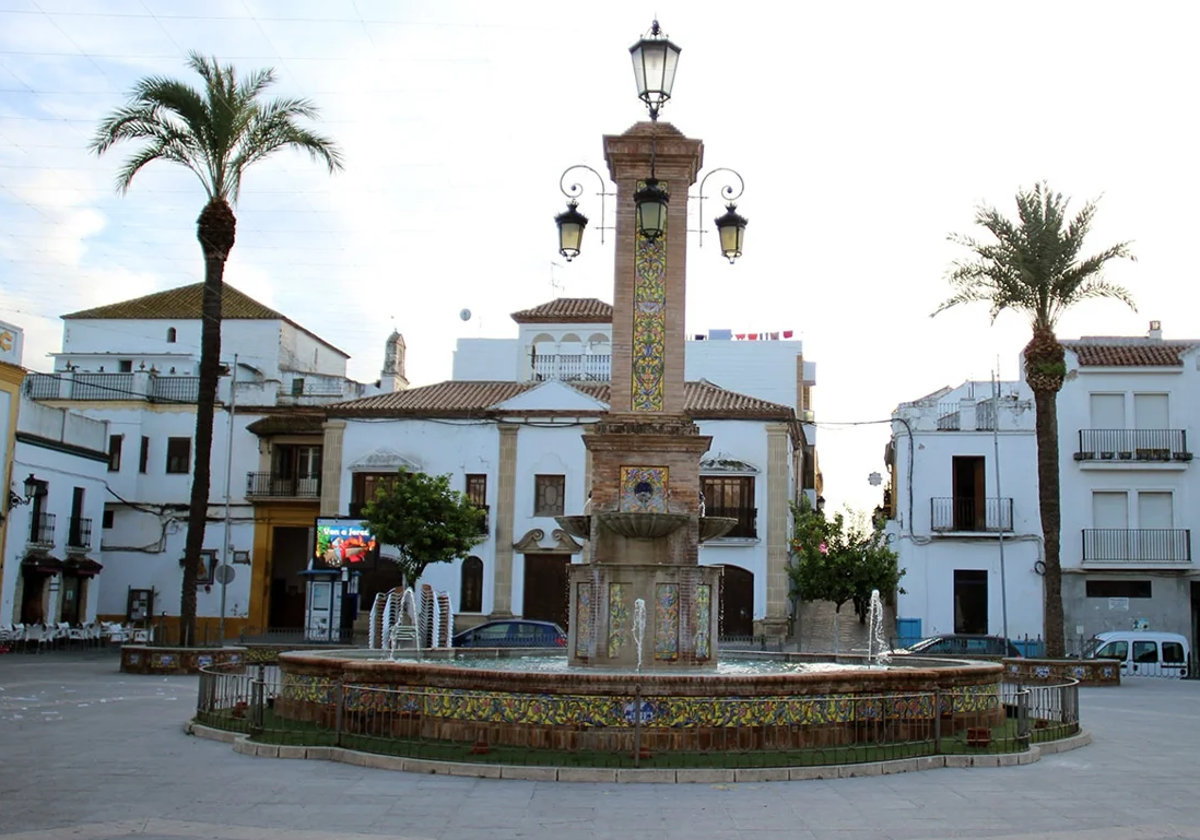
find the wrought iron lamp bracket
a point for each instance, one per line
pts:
(729, 193)
(575, 190)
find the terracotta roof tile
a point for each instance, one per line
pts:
(183, 303)
(1129, 354)
(567, 311)
(702, 401)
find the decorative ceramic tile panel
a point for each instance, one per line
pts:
(666, 621)
(583, 619)
(649, 320)
(644, 489)
(618, 619)
(703, 621)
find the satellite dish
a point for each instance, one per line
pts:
(465, 314)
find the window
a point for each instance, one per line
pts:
(363, 488)
(179, 454)
(971, 601)
(1114, 650)
(297, 387)
(1118, 589)
(125, 366)
(549, 491)
(296, 461)
(731, 496)
(1172, 652)
(115, 443)
(1145, 652)
(171, 334)
(470, 596)
(476, 493)
(107, 521)
(144, 455)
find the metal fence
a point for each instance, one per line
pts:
(432, 723)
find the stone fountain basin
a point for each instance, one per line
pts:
(712, 527)
(579, 526)
(643, 526)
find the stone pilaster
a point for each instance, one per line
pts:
(506, 494)
(331, 468)
(775, 621)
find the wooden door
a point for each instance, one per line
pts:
(546, 588)
(737, 602)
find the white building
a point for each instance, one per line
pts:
(1128, 491)
(508, 428)
(133, 365)
(949, 523)
(52, 540)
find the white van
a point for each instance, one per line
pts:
(1144, 653)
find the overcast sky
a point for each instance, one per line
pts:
(866, 132)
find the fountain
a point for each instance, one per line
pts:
(641, 580)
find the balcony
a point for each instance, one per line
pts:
(265, 485)
(970, 515)
(1144, 547)
(143, 385)
(486, 528)
(747, 521)
(79, 533)
(41, 529)
(574, 367)
(1133, 446)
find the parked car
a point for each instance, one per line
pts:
(1144, 653)
(963, 644)
(516, 632)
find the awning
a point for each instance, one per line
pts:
(82, 566)
(42, 563)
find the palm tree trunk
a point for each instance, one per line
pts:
(1044, 371)
(216, 229)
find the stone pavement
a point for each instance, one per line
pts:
(88, 753)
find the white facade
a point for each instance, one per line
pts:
(950, 523)
(52, 544)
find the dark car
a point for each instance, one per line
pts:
(516, 632)
(963, 644)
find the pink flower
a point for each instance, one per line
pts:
(824, 549)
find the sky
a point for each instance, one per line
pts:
(866, 132)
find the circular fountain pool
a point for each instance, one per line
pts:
(520, 698)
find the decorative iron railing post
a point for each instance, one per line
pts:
(203, 693)
(257, 703)
(1023, 717)
(339, 697)
(937, 722)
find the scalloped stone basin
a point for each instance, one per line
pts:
(583, 709)
(712, 527)
(643, 526)
(579, 526)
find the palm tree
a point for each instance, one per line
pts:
(218, 133)
(1033, 267)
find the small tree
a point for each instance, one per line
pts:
(424, 519)
(833, 560)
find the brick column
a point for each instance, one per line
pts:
(331, 468)
(506, 492)
(775, 621)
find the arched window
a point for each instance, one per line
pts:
(470, 598)
(170, 335)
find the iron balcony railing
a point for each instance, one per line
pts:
(41, 529)
(1133, 445)
(260, 484)
(79, 532)
(486, 527)
(112, 386)
(1140, 546)
(747, 517)
(572, 367)
(180, 389)
(970, 514)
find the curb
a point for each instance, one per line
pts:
(244, 746)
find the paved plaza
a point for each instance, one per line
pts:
(86, 752)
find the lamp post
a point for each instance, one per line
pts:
(655, 60)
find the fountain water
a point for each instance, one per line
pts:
(878, 650)
(639, 628)
(401, 632)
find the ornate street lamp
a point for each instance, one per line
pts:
(651, 202)
(570, 230)
(655, 59)
(732, 229)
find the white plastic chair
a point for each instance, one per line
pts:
(141, 637)
(35, 634)
(118, 634)
(77, 634)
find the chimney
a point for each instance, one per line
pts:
(1155, 330)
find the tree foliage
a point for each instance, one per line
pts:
(840, 561)
(424, 520)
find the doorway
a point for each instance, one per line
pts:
(545, 596)
(971, 601)
(290, 548)
(33, 595)
(72, 590)
(737, 602)
(970, 502)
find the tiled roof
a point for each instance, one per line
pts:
(567, 311)
(183, 303)
(1151, 353)
(287, 424)
(702, 401)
